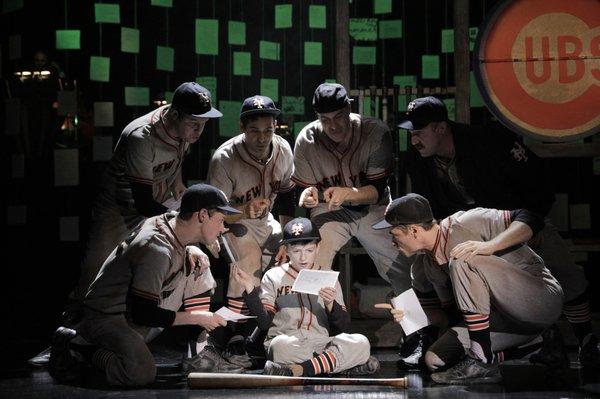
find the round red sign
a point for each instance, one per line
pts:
(537, 65)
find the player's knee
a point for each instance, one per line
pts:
(279, 348)
(433, 361)
(363, 346)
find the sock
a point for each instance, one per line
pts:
(577, 312)
(479, 334)
(101, 357)
(517, 352)
(319, 364)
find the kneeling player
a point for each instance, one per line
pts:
(306, 333)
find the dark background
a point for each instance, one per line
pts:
(38, 269)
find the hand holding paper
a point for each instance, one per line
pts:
(407, 311)
(311, 281)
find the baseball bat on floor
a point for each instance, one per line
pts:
(223, 380)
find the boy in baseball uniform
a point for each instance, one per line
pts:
(307, 334)
(254, 170)
(505, 293)
(145, 283)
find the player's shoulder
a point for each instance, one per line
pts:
(225, 150)
(282, 144)
(308, 133)
(275, 273)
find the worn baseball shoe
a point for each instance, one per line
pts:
(371, 366)
(412, 351)
(469, 371)
(552, 353)
(589, 355)
(64, 365)
(209, 361)
(272, 368)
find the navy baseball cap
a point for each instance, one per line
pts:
(422, 111)
(259, 105)
(330, 97)
(300, 230)
(409, 209)
(205, 196)
(193, 99)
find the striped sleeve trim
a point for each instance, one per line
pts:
(237, 306)
(140, 180)
(145, 294)
(376, 176)
(506, 217)
(302, 183)
(197, 304)
(269, 307)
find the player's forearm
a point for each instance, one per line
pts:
(187, 319)
(366, 195)
(517, 233)
(264, 319)
(339, 319)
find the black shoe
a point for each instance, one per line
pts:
(469, 371)
(64, 365)
(371, 366)
(412, 351)
(272, 368)
(41, 359)
(552, 353)
(589, 355)
(209, 361)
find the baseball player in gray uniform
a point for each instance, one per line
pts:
(145, 283)
(254, 170)
(306, 333)
(144, 172)
(505, 293)
(342, 161)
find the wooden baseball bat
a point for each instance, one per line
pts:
(224, 380)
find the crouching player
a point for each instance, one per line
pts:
(307, 334)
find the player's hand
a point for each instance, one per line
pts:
(466, 250)
(242, 278)
(208, 320)
(197, 258)
(309, 198)
(328, 296)
(335, 196)
(214, 249)
(281, 256)
(257, 208)
(397, 314)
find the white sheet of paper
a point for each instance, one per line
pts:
(67, 102)
(69, 228)
(66, 167)
(102, 148)
(230, 315)
(18, 166)
(103, 114)
(414, 316)
(172, 204)
(311, 281)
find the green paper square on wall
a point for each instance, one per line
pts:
(451, 107)
(283, 16)
(237, 32)
(165, 58)
(207, 36)
(402, 140)
(390, 29)
(270, 88)
(298, 126)
(210, 83)
(313, 53)
(447, 41)
(242, 63)
(107, 13)
(368, 103)
(99, 69)
(162, 3)
(11, 5)
(292, 105)
(382, 6)
(68, 39)
(269, 50)
(137, 96)
(364, 55)
(317, 17)
(430, 66)
(130, 40)
(363, 29)
(229, 123)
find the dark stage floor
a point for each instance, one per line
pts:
(521, 380)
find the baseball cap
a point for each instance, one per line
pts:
(422, 111)
(193, 99)
(259, 105)
(205, 196)
(299, 230)
(330, 97)
(409, 209)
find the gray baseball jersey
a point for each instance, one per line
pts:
(368, 156)
(144, 154)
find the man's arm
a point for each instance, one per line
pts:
(144, 200)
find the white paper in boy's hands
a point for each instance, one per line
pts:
(230, 315)
(172, 204)
(311, 281)
(414, 317)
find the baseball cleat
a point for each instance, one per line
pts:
(589, 355)
(64, 365)
(209, 361)
(552, 353)
(371, 366)
(272, 368)
(469, 371)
